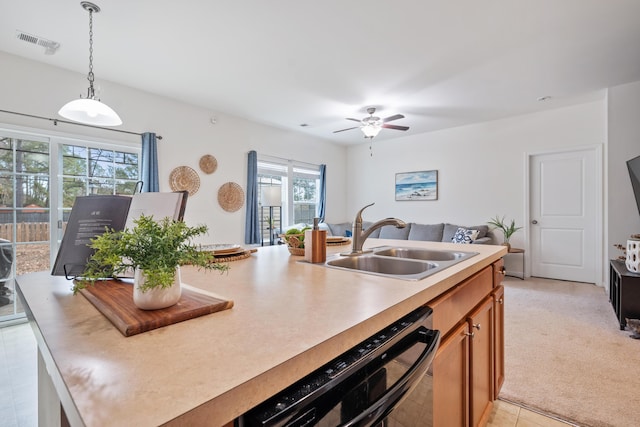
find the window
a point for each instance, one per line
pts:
(306, 184)
(299, 184)
(40, 177)
(92, 170)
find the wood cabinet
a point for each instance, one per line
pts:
(451, 379)
(498, 333)
(469, 363)
(481, 362)
(498, 272)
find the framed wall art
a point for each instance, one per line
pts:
(422, 185)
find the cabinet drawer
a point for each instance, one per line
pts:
(452, 307)
(498, 272)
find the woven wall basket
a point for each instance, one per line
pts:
(184, 178)
(208, 164)
(231, 196)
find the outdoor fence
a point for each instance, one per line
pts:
(29, 226)
(26, 232)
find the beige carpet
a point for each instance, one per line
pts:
(566, 356)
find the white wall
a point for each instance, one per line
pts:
(624, 144)
(34, 88)
(481, 167)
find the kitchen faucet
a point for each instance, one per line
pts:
(359, 236)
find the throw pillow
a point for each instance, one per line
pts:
(464, 235)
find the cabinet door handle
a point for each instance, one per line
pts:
(501, 301)
(477, 326)
(503, 271)
(470, 334)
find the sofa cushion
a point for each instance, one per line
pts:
(391, 232)
(340, 229)
(464, 235)
(427, 232)
(450, 230)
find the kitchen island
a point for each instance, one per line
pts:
(289, 318)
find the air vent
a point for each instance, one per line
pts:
(50, 47)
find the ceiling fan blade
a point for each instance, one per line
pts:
(355, 120)
(391, 118)
(395, 127)
(342, 130)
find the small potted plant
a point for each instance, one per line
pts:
(507, 230)
(154, 251)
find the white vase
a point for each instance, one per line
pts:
(154, 299)
(633, 256)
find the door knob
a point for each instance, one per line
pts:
(534, 222)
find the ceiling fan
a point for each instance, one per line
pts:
(372, 125)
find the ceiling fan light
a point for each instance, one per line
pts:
(370, 131)
(90, 111)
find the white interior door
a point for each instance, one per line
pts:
(563, 214)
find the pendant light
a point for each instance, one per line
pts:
(90, 110)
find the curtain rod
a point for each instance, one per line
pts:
(56, 121)
(286, 160)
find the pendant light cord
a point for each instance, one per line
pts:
(90, 77)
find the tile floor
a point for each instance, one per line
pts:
(506, 414)
(18, 377)
(18, 387)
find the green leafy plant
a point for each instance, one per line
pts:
(156, 247)
(295, 237)
(501, 224)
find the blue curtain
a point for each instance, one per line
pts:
(149, 163)
(323, 192)
(252, 223)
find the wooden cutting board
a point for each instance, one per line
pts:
(114, 299)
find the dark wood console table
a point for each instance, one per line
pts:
(624, 292)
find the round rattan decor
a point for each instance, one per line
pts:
(231, 196)
(208, 164)
(184, 178)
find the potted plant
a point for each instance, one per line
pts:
(154, 251)
(507, 230)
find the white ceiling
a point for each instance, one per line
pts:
(441, 63)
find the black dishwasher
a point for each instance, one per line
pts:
(383, 381)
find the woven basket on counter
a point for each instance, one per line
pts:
(295, 243)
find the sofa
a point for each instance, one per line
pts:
(442, 232)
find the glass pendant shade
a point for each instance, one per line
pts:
(90, 111)
(370, 131)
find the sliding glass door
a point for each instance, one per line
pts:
(24, 214)
(37, 173)
(298, 183)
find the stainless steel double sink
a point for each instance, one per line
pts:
(400, 262)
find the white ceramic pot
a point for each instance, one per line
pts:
(633, 256)
(154, 299)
